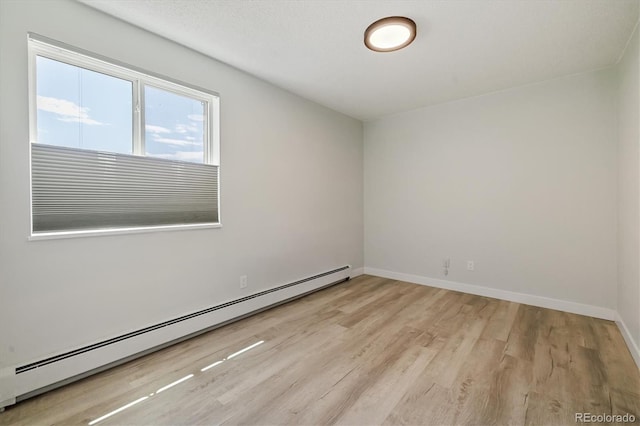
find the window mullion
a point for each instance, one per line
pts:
(138, 119)
(206, 142)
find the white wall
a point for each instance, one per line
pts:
(291, 181)
(523, 182)
(629, 193)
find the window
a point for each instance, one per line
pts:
(114, 148)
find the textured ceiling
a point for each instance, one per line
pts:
(463, 48)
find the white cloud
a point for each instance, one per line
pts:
(156, 129)
(182, 156)
(195, 117)
(67, 111)
(186, 128)
(179, 142)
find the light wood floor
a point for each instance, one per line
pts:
(370, 351)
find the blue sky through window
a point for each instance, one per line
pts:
(85, 109)
(174, 126)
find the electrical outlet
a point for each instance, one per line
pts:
(470, 265)
(243, 281)
(445, 266)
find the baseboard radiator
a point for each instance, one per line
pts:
(26, 380)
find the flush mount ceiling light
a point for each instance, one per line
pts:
(389, 34)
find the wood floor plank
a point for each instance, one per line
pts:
(544, 409)
(366, 372)
(427, 403)
(369, 408)
(365, 352)
(500, 324)
(509, 392)
(337, 361)
(476, 403)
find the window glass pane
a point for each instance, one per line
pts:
(174, 126)
(85, 109)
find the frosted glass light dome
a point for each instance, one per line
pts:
(389, 34)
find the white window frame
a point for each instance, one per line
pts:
(57, 51)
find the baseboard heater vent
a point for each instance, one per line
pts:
(111, 341)
(47, 372)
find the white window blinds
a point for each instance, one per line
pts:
(77, 189)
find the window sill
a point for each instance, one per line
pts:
(118, 231)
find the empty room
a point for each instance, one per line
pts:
(315, 212)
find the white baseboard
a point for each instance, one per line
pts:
(356, 272)
(631, 344)
(511, 296)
